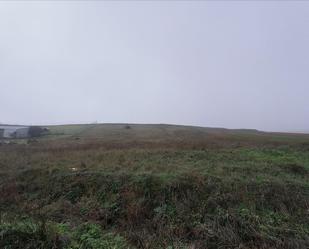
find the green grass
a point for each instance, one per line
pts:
(156, 186)
(28, 233)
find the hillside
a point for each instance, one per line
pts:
(155, 186)
(162, 133)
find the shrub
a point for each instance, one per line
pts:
(90, 236)
(36, 131)
(27, 234)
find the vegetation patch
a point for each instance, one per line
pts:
(248, 191)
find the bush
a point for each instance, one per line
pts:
(90, 236)
(27, 234)
(36, 131)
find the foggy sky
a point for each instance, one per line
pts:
(241, 64)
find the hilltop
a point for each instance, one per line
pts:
(165, 133)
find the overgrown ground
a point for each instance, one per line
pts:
(155, 186)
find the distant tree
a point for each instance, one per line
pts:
(36, 131)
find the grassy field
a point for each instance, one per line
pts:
(155, 186)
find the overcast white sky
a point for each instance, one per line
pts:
(234, 64)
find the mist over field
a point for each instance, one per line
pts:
(230, 64)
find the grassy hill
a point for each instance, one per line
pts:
(162, 133)
(155, 186)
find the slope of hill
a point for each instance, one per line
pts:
(155, 186)
(162, 133)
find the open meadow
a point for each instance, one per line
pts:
(118, 186)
